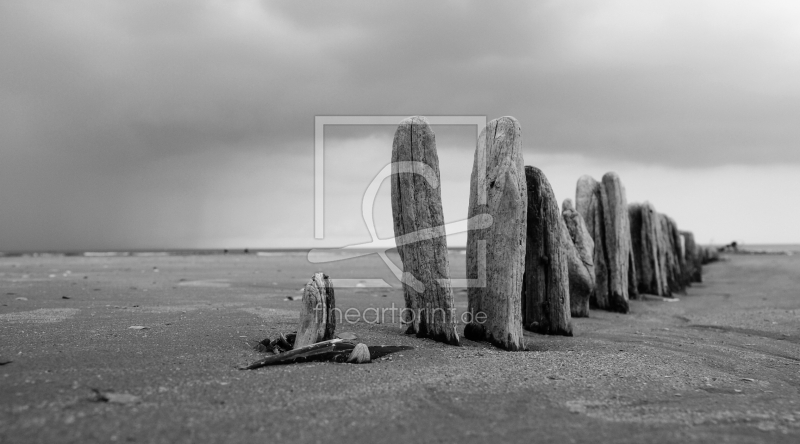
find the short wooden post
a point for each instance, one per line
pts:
(419, 231)
(317, 317)
(580, 251)
(498, 188)
(545, 288)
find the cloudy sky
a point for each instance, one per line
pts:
(190, 123)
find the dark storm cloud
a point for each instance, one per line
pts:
(634, 80)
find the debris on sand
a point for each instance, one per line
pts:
(115, 398)
(138, 327)
(4, 362)
(360, 354)
(334, 350)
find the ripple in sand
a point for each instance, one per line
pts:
(40, 316)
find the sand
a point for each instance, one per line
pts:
(722, 364)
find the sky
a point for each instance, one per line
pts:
(190, 123)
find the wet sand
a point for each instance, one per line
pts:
(722, 364)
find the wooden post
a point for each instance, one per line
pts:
(545, 288)
(317, 317)
(580, 252)
(645, 232)
(694, 266)
(671, 266)
(589, 204)
(618, 253)
(419, 229)
(498, 188)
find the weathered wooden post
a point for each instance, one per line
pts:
(694, 266)
(545, 289)
(580, 252)
(317, 316)
(645, 232)
(672, 266)
(498, 188)
(618, 244)
(419, 231)
(589, 204)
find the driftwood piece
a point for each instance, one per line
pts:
(645, 234)
(545, 288)
(618, 244)
(498, 174)
(334, 350)
(419, 229)
(580, 253)
(317, 316)
(694, 265)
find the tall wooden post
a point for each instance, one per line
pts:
(545, 297)
(645, 234)
(498, 188)
(618, 244)
(419, 229)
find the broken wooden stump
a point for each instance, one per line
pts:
(545, 288)
(317, 316)
(694, 265)
(645, 234)
(420, 234)
(580, 253)
(497, 188)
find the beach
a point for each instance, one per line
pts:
(719, 364)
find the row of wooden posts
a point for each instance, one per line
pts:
(543, 263)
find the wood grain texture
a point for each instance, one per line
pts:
(503, 180)
(317, 317)
(580, 253)
(545, 289)
(617, 244)
(417, 209)
(645, 233)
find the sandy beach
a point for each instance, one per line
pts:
(721, 364)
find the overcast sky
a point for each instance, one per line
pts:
(190, 124)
